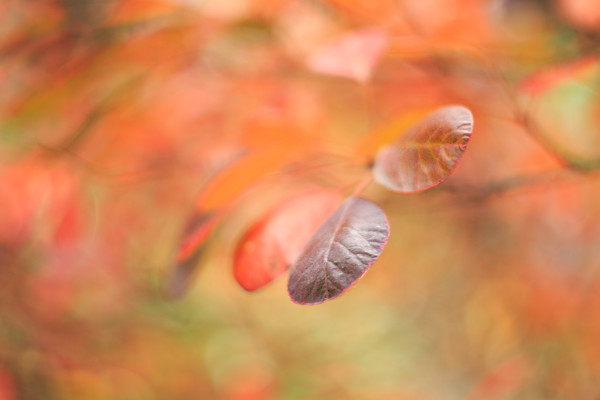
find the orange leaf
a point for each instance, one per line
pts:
(130, 11)
(232, 182)
(386, 133)
(215, 200)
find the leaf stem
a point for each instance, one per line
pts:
(367, 178)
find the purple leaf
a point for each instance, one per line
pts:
(339, 253)
(425, 155)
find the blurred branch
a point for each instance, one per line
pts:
(103, 107)
(81, 131)
(466, 195)
(115, 177)
(481, 192)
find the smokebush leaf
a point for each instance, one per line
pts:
(425, 155)
(339, 253)
(271, 245)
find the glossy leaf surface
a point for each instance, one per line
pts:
(271, 245)
(425, 155)
(353, 55)
(339, 253)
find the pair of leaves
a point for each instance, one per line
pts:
(270, 246)
(343, 248)
(327, 251)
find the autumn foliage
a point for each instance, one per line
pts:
(174, 172)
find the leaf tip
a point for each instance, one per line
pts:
(178, 281)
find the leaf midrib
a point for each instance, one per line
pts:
(343, 213)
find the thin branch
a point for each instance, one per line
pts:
(480, 192)
(114, 177)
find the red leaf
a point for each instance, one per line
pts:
(425, 155)
(502, 381)
(195, 235)
(553, 75)
(7, 385)
(351, 56)
(270, 246)
(339, 253)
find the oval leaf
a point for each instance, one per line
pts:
(425, 155)
(271, 245)
(339, 253)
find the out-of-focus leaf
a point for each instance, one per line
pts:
(239, 176)
(34, 193)
(129, 11)
(195, 235)
(372, 142)
(502, 381)
(582, 14)
(339, 253)
(213, 203)
(556, 74)
(425, 155)
(567, 116)
(367, 9)
(271, 245)
(353, 55)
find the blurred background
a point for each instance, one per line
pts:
(115, 114)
